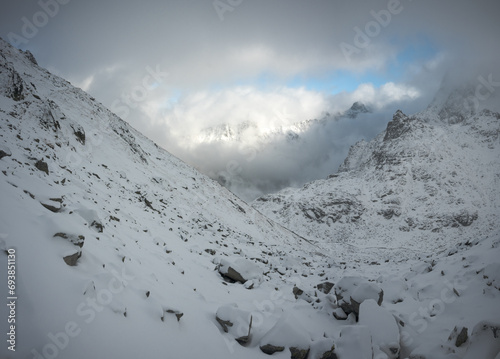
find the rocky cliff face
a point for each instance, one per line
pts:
(423, 180)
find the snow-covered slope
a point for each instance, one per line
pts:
(123, 251)
(71, 171)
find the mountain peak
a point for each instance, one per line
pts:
(399, 125)
(356, 109)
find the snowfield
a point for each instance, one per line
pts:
(124, 251)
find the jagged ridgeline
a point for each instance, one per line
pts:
(124, 251)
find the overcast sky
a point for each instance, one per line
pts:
(172, 68)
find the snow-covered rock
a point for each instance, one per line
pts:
(354, 343)
(484, 341)
(240, 270)
(383, 329)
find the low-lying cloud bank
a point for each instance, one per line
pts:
(256, 142)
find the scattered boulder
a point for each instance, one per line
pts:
(297, 353)
(177, 314)
(42, 166)
(79, 133)
(363, 292)
(325, 287)
(51, 207)
(491, 273)
(352, 291)
(4, 152)
(98, 226)
(236, 322)
(77, 240)
(72, 259)
(297, 292)
(240, 270)
(243, 340)
(343, 290)
(330, 354)
(459, 337)
(270, 349)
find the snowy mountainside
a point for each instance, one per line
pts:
(123, 251)
(423, 183)
(74, 173)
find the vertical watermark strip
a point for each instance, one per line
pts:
(11, 299)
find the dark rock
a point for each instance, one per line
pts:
(224, 323)
(352, 291)
(484, 339)
(73, 258)
(42, 166)
(178, 314)
(210, 251)
(271, 349)
(297, 292)
(98, 226)
(462, 337)
(51, 207)
(4, 151)
(325, 287)
(297, 353)
(246, 338)
(233, 275)
(329, 354)
(79, 133)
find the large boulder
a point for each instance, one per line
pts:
(364, 292)
(240, 270)
(352, 291)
